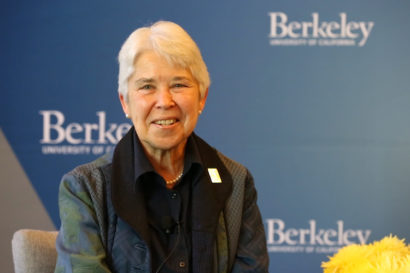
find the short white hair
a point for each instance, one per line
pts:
(170, 41)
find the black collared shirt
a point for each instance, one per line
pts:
(169, 211)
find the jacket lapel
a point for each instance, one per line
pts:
(126, 195)
(208, 201)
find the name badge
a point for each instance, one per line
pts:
(214, 174)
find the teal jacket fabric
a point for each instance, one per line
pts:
(104, 225)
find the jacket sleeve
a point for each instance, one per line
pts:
(79, 245)
(252, 255)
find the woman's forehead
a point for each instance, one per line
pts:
(152, 66)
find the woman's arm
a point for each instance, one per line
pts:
(252, 255)
(79, 245)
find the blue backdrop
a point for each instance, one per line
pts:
(312, 96)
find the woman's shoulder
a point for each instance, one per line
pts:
(90, 168)
(231, 163)
(91, 177)
(234, 167)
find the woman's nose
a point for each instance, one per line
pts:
(165, 98)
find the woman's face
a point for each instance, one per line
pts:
(163, 103)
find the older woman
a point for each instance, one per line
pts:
(164, 201)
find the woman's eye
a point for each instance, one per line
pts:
(179, 85)
(146, 87)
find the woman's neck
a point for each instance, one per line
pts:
(167, 163)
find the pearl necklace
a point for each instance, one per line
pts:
(173, 181)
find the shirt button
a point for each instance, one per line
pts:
(181, 264)
(173, 195)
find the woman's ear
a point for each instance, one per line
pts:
(124, 104)
(203, 100)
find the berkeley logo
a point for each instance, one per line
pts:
(315, 32)
(79, 136)
(311, 238)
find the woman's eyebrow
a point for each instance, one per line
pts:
(181, 78)
(144, 80)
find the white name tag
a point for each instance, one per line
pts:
(214, 174)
